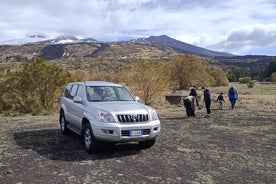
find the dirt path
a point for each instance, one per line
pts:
(229, 147)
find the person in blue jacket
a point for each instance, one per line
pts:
(233, 96)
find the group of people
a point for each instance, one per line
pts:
(192, 100)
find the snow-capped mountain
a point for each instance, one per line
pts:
(40, 38)
(26, 40)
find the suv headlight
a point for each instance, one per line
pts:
(154, 115)
(105, 117)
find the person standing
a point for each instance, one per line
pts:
(233, 96)
(189, 104)
(220, 100)
(193, 91)
(207, 100)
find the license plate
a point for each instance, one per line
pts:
(135, 132)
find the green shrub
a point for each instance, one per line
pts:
(34, 89)
(273, 77)
(251, 84)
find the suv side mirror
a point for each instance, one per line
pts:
(137, 98)
(77, 99)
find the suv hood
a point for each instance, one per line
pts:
(121, 107)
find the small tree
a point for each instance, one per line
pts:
(218, 75)
(184, 70)
(148, 79)
(189, 70)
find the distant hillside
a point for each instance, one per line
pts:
(181, 47)
(93, 57)
(113, 57)
(247, 61)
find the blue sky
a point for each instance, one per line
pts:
(234, 26)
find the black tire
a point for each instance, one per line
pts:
(147, 144)
(90, 142)
(63, 124)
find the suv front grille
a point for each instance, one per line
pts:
(133, 118)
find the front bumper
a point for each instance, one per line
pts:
(126, 132)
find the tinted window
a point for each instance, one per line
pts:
(67, 91)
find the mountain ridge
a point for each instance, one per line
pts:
(162, 40)
(181, 46)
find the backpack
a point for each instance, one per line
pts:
(232, 94)
(231, 91)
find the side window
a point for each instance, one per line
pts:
(80, 92)
(73, 91)
(67, 91)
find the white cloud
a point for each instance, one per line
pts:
(212, 24)
(246, 38)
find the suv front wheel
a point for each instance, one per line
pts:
(90, 142)
(63, 123)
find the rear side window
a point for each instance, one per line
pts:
(67, 91)
(70, 91)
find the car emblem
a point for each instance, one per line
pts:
(133, 117)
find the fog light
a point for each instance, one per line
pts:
(107, 131)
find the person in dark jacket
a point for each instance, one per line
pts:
(220, 100)
(207, 99)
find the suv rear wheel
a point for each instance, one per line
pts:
(90, 142)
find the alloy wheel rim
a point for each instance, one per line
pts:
(62, 124)
(87, 138)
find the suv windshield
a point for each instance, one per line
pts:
(107, 93)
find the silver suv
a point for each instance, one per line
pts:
(106, 112)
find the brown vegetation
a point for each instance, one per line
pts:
(35, 87)
(189, 70)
